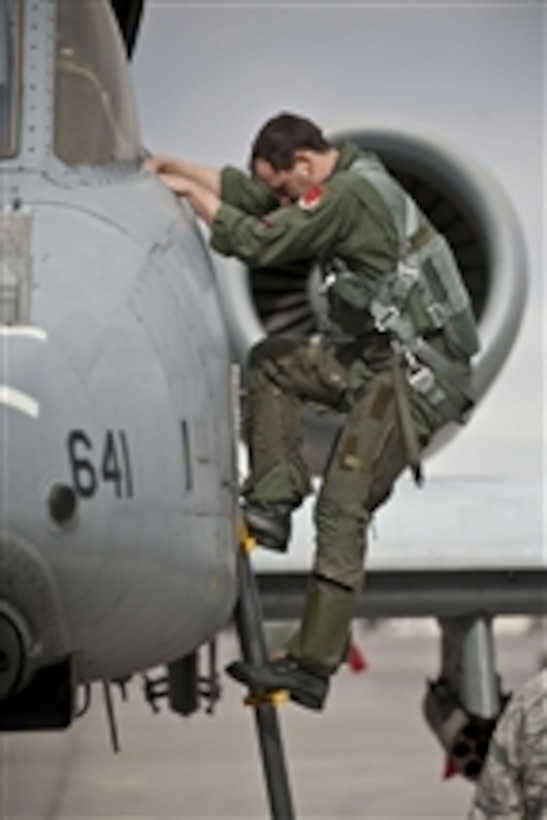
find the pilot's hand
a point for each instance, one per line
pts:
(180, 185)
(164, 165)
(204, 202)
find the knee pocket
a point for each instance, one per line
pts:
(341, 543)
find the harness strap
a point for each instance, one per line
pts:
(427, 354)
(420, 238)
(422, 380)
(425, 362)
(412, 218)
(406, 423)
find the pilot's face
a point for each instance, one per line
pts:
(287, 185)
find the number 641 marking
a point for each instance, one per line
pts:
(109, 462)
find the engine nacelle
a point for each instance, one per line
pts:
(462, 200)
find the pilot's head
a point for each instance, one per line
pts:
(290, 155)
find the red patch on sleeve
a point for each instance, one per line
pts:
(311, 198)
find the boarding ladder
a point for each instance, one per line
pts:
(248, 621)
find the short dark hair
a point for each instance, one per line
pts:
(281, 136)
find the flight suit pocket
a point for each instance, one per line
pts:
(330, 376)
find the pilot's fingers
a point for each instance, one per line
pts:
(180, 185)
(151, 164)
(159, 164)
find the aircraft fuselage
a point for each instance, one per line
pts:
(117, 512)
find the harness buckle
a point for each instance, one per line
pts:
(421, 379)
(437, 313)
(385, 317)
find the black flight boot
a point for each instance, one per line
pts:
(304, 687)
(269, 523)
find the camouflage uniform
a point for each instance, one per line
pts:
(513, 783)
(345, 221)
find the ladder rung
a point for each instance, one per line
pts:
(275, 698)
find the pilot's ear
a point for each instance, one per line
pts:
(302, 163)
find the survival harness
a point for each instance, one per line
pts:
(424, 294)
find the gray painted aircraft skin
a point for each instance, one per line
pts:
(115, 384)
(118, 329)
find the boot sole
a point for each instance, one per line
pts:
(307, 700)
(301, 696)
(267, 541)
(264, 536)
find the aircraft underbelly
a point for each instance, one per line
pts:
(175, 602)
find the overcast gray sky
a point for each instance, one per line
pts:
(209, 73)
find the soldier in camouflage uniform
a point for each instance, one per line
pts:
(513, 782)
(399, 373)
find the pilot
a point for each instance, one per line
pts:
(396, 363)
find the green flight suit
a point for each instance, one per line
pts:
(346, 219)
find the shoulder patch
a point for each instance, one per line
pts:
(311, 198)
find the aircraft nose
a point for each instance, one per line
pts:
(39, 396)
(37, 393)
